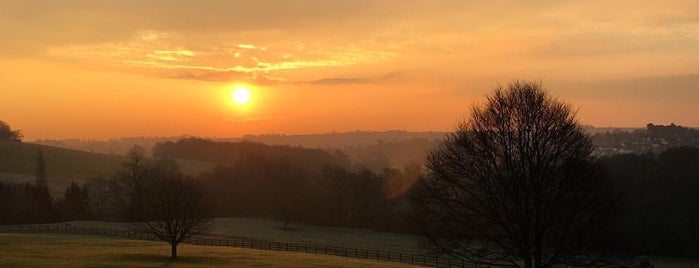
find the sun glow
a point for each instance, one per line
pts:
(241, 95)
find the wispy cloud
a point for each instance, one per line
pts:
(171, 55)
(356, 80)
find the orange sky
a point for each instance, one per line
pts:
(103, 69)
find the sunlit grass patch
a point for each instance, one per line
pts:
(54, 250)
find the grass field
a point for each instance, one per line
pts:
(52, 250)
(18, 163)
(269, 230)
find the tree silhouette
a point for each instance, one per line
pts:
(40, 172)
(76, 202)
(172, 206)
(131, 178)
(516, 185)
(7, 134)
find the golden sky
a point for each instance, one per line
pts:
(112, 68)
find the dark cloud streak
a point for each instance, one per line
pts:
(357, 80)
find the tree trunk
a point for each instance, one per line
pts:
(538, 255)
(528, 262)
(173, 251)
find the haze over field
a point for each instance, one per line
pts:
(86, 69)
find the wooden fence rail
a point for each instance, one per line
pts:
(409, 258)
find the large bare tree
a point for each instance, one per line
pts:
(172, 206)
(515, 185)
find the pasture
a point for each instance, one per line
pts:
(58, 250)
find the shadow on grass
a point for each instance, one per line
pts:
(165, 259)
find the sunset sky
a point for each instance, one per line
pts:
(105, 69)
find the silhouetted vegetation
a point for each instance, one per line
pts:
(40, 173)
(7, 134)
(76, 203)
(281, 189)
(515, 185)
(171, 206)
(296, 184)
(25, 203)
(658, 211)
(227, 153)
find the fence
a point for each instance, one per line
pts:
(409, 258)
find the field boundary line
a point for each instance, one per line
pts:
(401, 257)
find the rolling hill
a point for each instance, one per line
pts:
(18, 164)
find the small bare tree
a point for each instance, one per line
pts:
(172, 207)
(516, 185)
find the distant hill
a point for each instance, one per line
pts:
(229, 153)
(341, 140)
(373, 150)
(18, 164)
(118, 146)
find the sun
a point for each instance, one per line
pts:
(241, 95)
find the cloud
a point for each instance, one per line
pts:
(356, 80)
(171, 55)
(246, 46)
(213, 76)
(292, 39)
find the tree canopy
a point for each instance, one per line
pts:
(515, 184)
(7, 134)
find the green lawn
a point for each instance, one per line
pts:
(18, 163)
(52, 250)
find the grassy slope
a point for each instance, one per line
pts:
(52, 250)
(64, 165)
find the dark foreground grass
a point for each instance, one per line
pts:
(55, 250)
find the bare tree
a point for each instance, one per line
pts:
(516, 185)
(172, 206)
(131, 178)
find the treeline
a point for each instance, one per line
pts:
(32, 203)
(256, 186)
(295, 184)
(658, 208)
(290, 184)
(116, 198)
(657, 212)
(227, 153)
